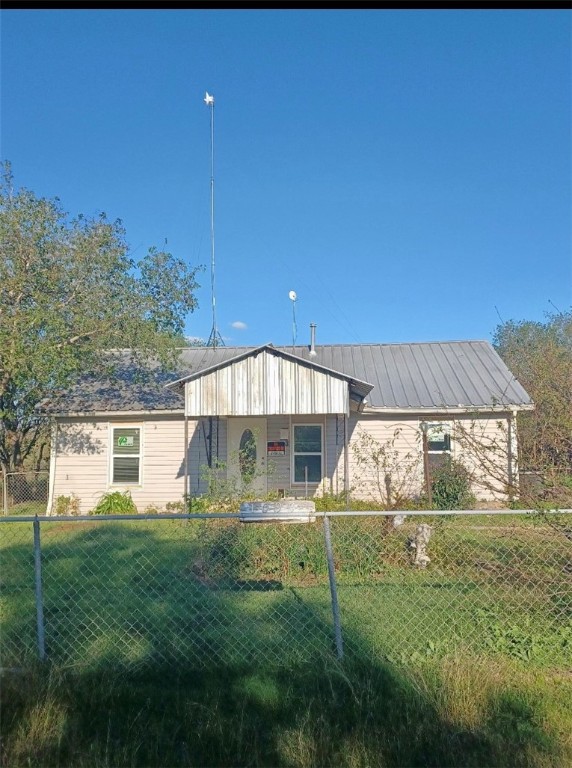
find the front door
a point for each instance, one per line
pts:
(247, 454)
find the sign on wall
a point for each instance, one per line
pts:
(276, 448)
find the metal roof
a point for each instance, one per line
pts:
(425, 375)
(450, 374)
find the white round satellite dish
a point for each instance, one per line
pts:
(292, 296)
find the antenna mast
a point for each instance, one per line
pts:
(293, 298)
(215, 339)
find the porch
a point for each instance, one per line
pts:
(266, 421)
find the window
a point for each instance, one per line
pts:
(438, 438)
(438, 444)
(247, 456)
(126, 455)
(307, 453)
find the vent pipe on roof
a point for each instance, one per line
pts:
(313, 352)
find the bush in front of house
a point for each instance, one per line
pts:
(115, 503)
(451, 486)
(67, 505)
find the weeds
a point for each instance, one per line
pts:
(67, 505)
(462, 710)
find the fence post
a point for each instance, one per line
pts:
(333, 589)
(39, 595)
(4, 491)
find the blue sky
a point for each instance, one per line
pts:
(405, 172)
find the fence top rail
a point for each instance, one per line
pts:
(28, 472)
(283, 515)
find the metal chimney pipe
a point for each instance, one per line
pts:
(313, 352)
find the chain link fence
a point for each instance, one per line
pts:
(200, 590)
(24, 493)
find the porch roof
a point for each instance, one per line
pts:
(361, 388)
(266, 380)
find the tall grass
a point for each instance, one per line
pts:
(461, 711)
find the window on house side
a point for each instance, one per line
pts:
(307, 453)
(438, 444)
(438, 438)
(126, 457)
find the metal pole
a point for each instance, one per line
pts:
(426, 464)
(333, 589)
(215, 339)
(346, 464)
(186, 494)
(39, 595)
(4, 491)
(214, 332)
(305, 481)
(510, 473)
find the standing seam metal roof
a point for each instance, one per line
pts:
(424, 375)
(418, 375)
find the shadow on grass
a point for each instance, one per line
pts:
(322, 715)
(166, 666)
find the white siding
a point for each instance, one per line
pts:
(82, 456)
(266, 384)
(483, 446)
(82, 460)
(380, 447)
(480, 443)
(278, 466)
(404, 459)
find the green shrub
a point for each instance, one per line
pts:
(451, 486)
(115, 503)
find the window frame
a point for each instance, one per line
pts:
(447, 432)
(113, 455)
(294, 453)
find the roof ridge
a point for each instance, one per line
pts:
(344, 344)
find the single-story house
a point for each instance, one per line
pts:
(369, 420)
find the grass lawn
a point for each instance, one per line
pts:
(174, 643)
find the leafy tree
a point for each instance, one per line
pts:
(70, 294)
(540, 356)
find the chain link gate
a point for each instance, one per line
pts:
(24, 493)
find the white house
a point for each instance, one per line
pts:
(298, 421)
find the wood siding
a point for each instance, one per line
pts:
(266, 384)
